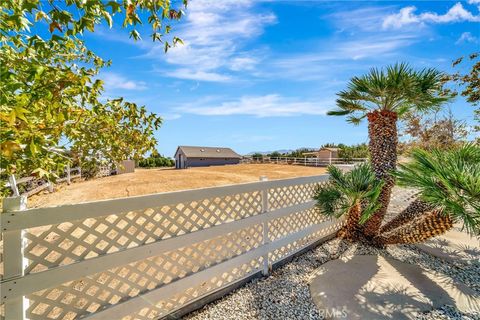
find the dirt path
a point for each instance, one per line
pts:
(146, 181)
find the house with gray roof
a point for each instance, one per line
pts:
(191, 156)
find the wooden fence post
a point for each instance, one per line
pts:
(13, 258)
(50, 186)
(68, 174)
(13, 185)
(266, 264)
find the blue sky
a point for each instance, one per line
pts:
(260, 75)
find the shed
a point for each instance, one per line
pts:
(192, 156)
(326, 154)
(126, 166)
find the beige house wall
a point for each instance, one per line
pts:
(327, 154)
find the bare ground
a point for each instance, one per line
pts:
(147, 181)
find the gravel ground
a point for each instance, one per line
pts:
(285, 293)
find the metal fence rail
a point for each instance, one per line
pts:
(145, 257)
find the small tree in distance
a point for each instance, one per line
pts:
(469, 83)
(257, 156)
(275, 154)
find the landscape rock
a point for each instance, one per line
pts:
(377, 287)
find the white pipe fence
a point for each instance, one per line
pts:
(146, 257)
(305, 161)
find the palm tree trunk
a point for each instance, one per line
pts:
(414, 209)
(351, 229)
(432, 224)
(382, 132)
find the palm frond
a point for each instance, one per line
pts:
(355, 120)
(398, 88)
(447, 180)
(329, 200)
(346, 189)
(338, 112)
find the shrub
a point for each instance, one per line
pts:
(156, 161)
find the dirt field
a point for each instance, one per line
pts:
(145, 181)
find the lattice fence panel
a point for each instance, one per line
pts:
(279, 254)
(287, 196)
(297, 221)
(69, 242)
(96, 292)
(400, 199)
(163, 307)
(104, 171)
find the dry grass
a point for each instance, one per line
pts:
(146, 181)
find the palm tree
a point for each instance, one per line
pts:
(354, 194)
(449, 186)
(382, 96)
(449, 191)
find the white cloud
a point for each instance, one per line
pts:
(362, 19)
(327, 61)
(171, 116)
(200, 75)
(271, 105)
(114, 81)
(214, 34)
(243, 63)
(467, 37)
(475, 2)
(374, 46)
(406, 16)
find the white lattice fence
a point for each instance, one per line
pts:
(400, 199)
(145, 257)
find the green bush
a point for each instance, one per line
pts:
(156, 161)
(257, 156)
(352, 152)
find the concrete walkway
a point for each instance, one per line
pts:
(376, 287)
(454, 245)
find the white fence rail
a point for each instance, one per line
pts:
(305, 161)
(38, 184)
(148, 256)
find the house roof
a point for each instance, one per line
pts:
(208, 152)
